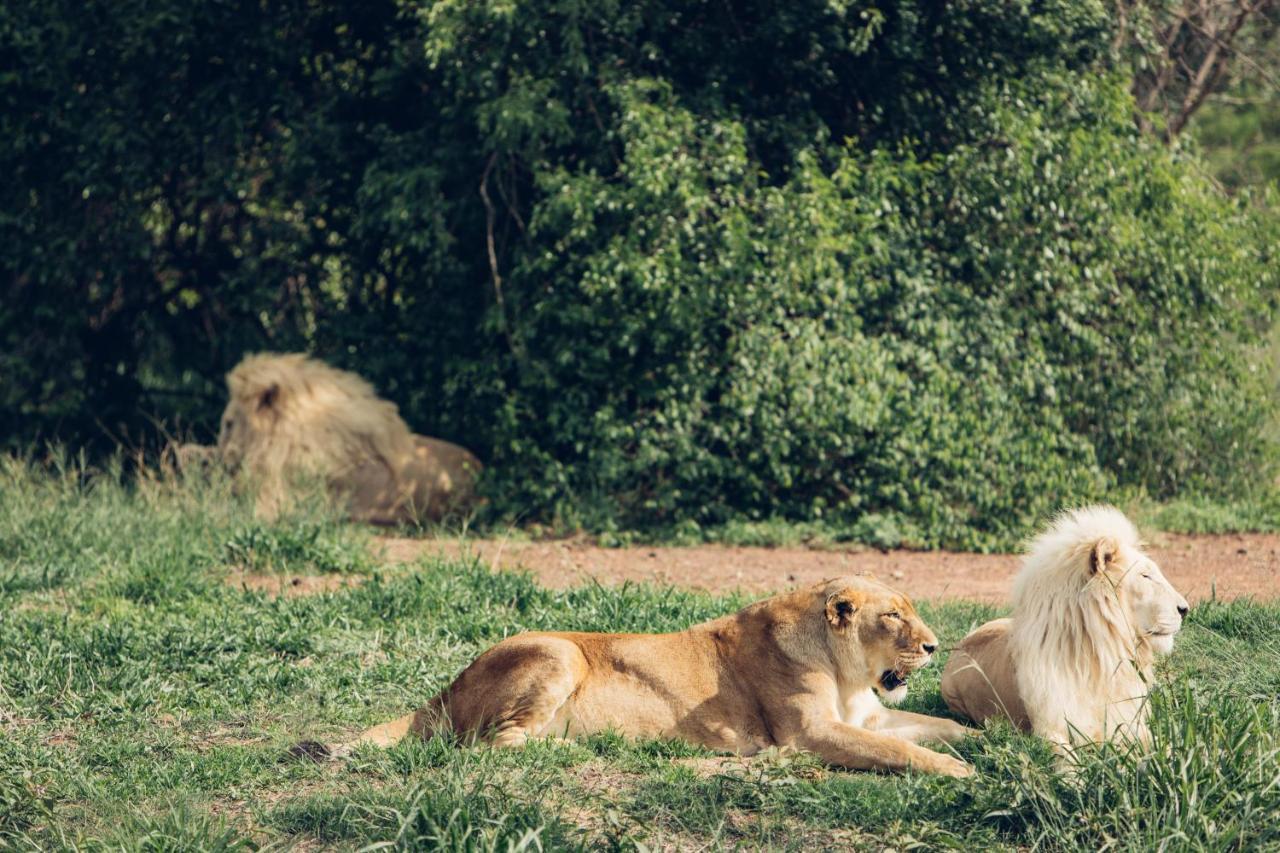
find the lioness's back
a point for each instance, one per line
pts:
(580, 683)
(979, 680)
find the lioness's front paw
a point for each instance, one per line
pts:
(954, 732)
(953, 767)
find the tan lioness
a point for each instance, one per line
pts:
(802, 669)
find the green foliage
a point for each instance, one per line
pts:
(905, 268)
(1241, 138)
(306, 544)
(1202, 516)
(959, 343)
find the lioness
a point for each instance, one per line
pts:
(801, 669)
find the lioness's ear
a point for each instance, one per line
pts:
(840, 608)
(267, 399)
(1103, 556)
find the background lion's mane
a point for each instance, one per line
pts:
(301, 417)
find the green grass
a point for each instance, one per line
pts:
(145, 704)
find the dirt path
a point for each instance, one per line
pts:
(1234, 565)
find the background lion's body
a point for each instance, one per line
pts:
(291, 417)
(766, 676)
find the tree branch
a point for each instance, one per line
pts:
(491, 216)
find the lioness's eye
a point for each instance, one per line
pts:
(893, 615)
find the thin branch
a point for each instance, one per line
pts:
(508, 201)
(1211, 69)
(491, 217)
(1265, 75)
(604, 134)
(1161, 81)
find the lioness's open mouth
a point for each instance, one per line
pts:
(891, 679)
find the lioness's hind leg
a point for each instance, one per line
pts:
(536, 694)
(536, 710)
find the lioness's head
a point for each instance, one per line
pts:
(875, 634)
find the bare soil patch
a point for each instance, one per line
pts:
(599, 778)
(1228, 566)
(288, 585)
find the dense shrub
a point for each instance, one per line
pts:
(659, 263)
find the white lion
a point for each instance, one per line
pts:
(1090, 612)
(291, 417)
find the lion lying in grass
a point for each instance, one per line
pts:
(801, 669)
(291, 417)
(1090, 612)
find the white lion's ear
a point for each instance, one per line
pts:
(841, 606)
(1104, 555)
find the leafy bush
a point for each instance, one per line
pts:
(906, 268)
(962, 341)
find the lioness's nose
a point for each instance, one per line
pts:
(929, 648)
(1183, 610)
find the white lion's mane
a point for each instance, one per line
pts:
(1079, 661)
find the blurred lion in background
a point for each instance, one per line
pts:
(292, 418)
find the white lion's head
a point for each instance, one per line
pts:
(1088, 568)
(1158, 609)
(1090, 611)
